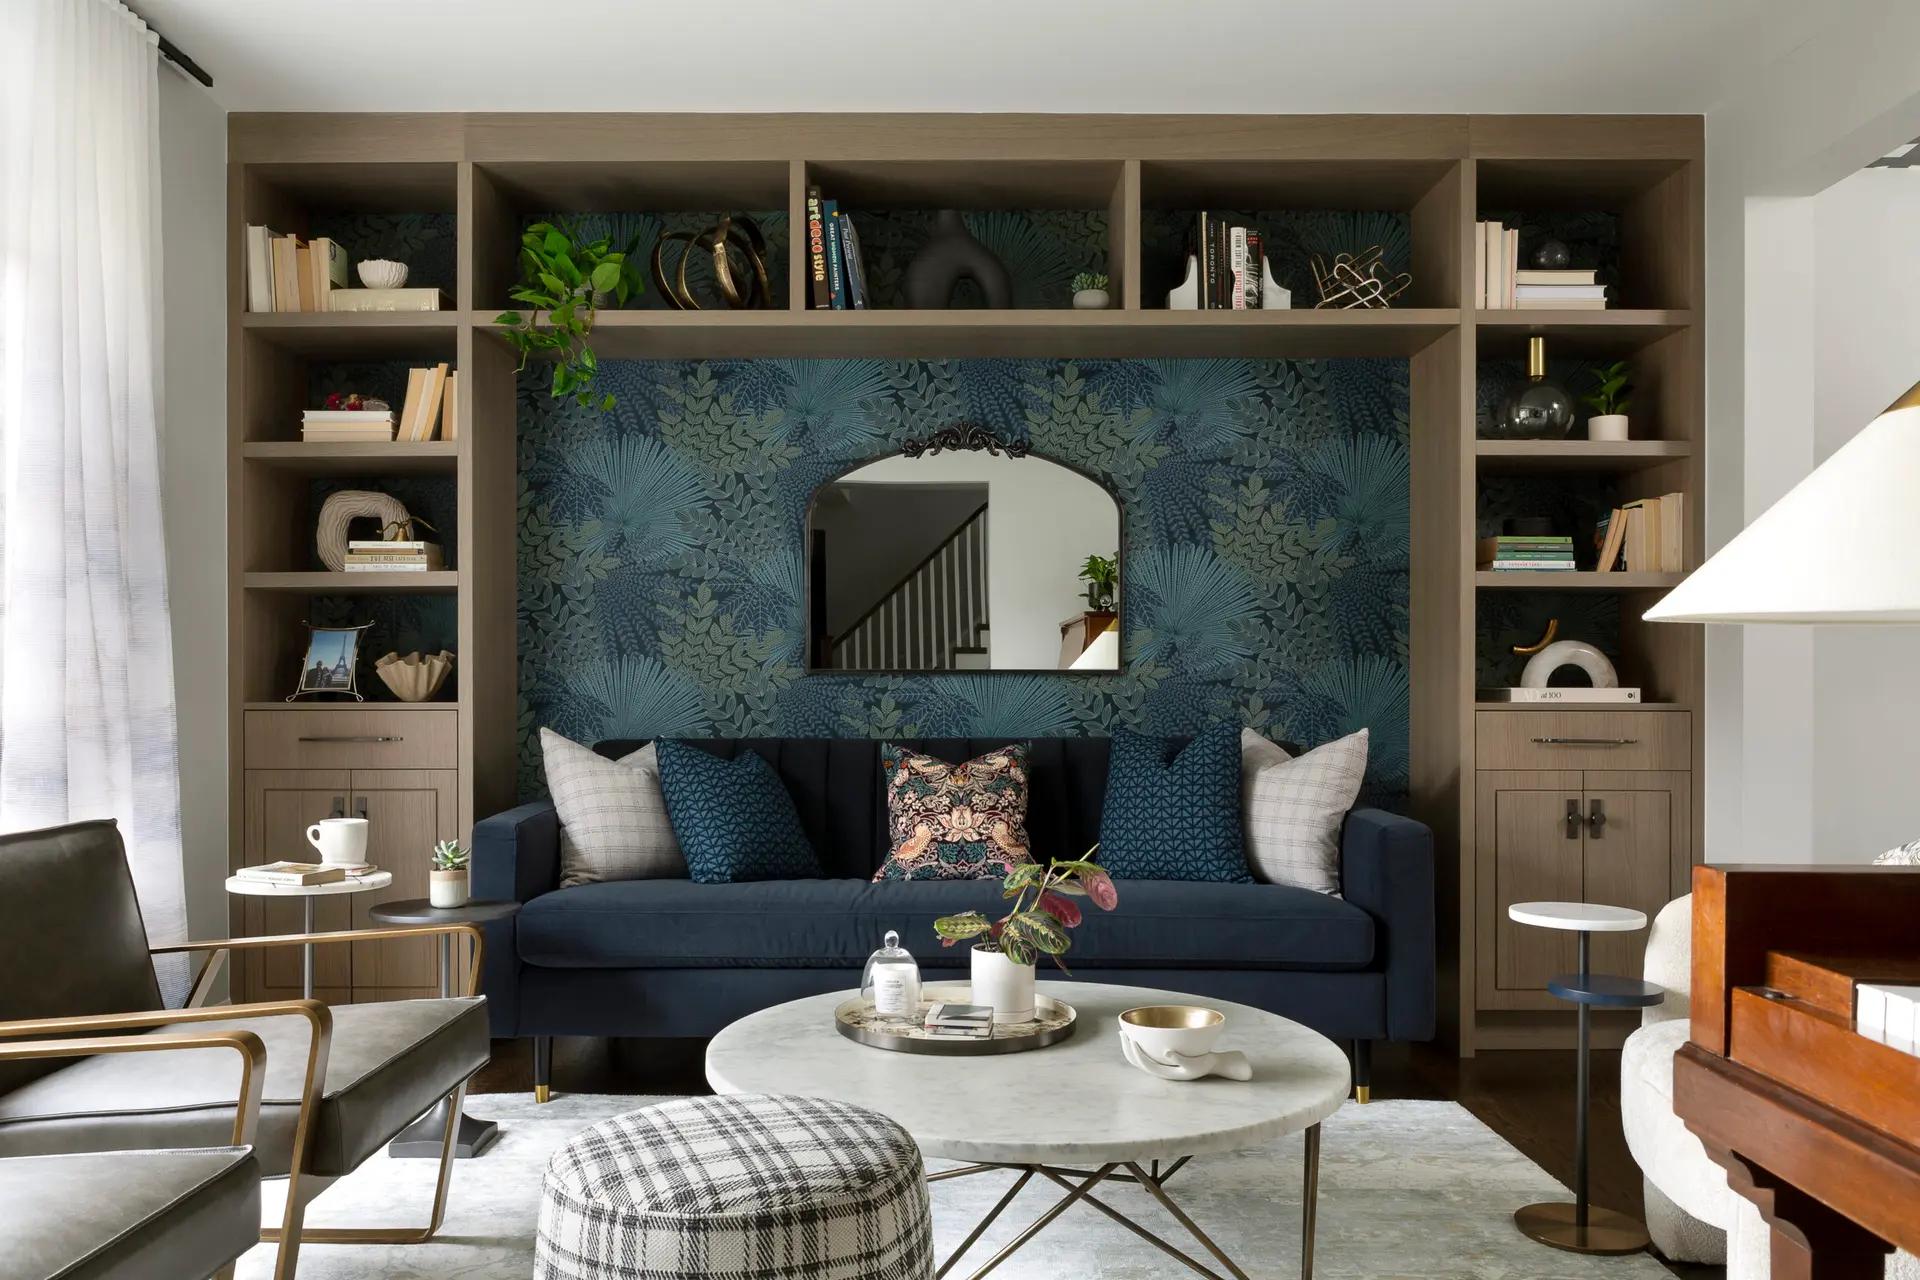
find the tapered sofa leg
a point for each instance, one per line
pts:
(1363, 1071)
(542, 1068)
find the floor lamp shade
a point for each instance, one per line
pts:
(1842, 546)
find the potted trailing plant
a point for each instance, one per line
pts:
(1102, 576)
(1037, 924)
(448, 884)
(1612, 393)
(1090, 291)
(565, 282)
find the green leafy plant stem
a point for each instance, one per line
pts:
(563, 283)
(1035, 926)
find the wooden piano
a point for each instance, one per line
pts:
(1814, 1122)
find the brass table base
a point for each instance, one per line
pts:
(1606, 1231)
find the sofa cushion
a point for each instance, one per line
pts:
(1294, 807)
(734, 818)
(947, 821)
(122, 1215)
(838, 923)
(387, 1063)
(1173, 811)
(613, 817)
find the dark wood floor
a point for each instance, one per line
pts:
(1526, 1098)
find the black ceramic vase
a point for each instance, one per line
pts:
(953, 255)
(1539, 408)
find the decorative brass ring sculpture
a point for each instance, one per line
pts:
(721, 240)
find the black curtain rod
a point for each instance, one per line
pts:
(171, 52)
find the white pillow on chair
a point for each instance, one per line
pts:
(613, 815)
(1294, 806)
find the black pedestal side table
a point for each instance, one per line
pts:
(423, 1137)
(1581, 1227)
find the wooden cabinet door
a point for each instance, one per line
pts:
(281, 805)
(1634, 833)
(1532, 853)
(407, 812)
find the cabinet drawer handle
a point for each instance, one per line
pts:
(349, 737)
(1586, 742)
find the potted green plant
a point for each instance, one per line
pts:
(1612, 393)
(1090, 291)
(1102, 576)
(565, 282)
(448, 884)
(1037, 924)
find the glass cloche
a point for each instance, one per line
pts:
(891, 983)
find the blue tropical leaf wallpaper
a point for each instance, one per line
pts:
(1265, 577)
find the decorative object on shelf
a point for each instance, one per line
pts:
(1610, 398)
(1541, 667)
(332, 662)
(1549, 655)
(966, 435)
(891, 983)
(1185, 296)
(1538, 408)
(953, 255)
(354, 402)
(1548, 637)
(449, 884)
(1037, 924)
(342, 508)
(1090, 292)
(1102, 576)
(1552, 255)
(1357, 280)
(744, 288)
(566, 283)
(414, 678)
(382, 273)
(1053, 1021)
(1175, 1042)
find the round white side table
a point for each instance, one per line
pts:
(1582, 1227)
(307, 893)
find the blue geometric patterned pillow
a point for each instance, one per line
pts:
(1174, 814)
(733, 818)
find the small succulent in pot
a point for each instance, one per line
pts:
(449, 885)
(1090, 291)
(1610, 398)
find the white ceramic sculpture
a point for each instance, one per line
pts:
(1569, 653)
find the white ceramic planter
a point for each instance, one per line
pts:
(1608, 426)
(1091, 300)
(1007, 986)
(448, 888)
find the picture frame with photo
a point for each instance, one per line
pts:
(332, 663)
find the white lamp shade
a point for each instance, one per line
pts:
(1103, 654)
(1842, 546)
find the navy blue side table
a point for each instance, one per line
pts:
(1581, 1227)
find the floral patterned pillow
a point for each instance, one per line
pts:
(955, 821)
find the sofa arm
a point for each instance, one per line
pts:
(516, 858)
(1386, 869)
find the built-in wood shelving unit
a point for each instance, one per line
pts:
(487, 173)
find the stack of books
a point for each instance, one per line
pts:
(1504, 285)
(347, 426)
(1521, 553)
(1233, 264)
(406, 556)
(299, 874)
(1646, 536)
(836, 271)
(430, 406)
(962, 1021)
(288, 273)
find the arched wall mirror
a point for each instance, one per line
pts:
(964, 556)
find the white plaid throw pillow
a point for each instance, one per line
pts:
(1294, 807)
(613, 817)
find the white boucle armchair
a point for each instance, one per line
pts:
(1692, 1215)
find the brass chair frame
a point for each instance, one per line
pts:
(302, 1187)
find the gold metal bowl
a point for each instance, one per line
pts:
(1172, 1032)
(1170, 1017)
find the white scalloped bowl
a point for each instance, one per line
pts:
(382, 273)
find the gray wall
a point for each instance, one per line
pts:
(193, 454)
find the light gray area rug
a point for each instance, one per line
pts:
(1414, 1189)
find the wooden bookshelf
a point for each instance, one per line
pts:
(487, 172)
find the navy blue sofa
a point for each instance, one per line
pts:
(674, 958)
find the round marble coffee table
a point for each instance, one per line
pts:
(1075, 1113)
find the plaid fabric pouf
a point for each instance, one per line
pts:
(747, 1187)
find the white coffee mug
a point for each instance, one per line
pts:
(341, 840)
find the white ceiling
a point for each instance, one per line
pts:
(983, 55)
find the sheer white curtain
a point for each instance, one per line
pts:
(86, 663)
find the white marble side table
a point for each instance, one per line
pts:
(365, 883)
(1582, 1227)
(1075, 1113)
